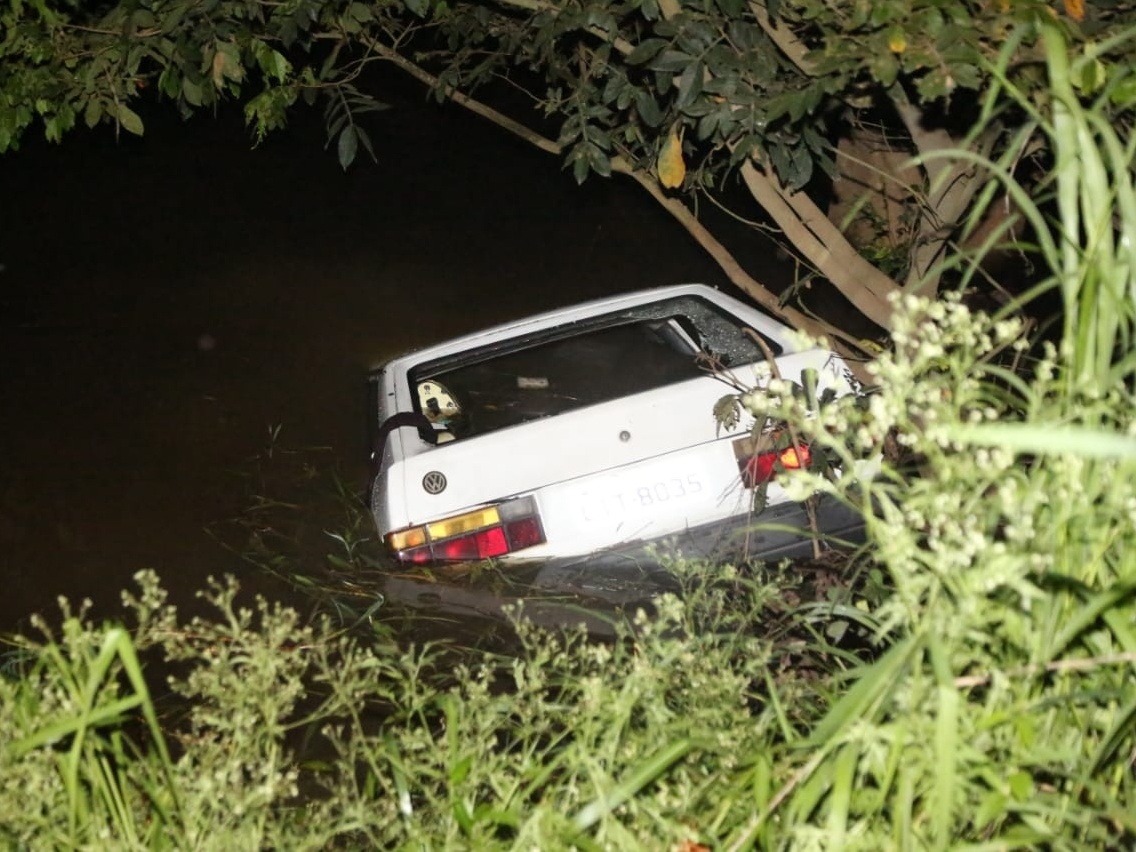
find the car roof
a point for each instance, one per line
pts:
(585, 310)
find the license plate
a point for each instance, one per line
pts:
(615, 500)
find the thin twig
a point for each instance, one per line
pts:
(810, 509)
(746, 839)
(1079, 664)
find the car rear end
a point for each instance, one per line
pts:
(579, 433)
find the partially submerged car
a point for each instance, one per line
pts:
(588, 433)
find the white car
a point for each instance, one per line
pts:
(589, 432)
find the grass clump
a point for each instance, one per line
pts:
(271, 734)
(1002, 710)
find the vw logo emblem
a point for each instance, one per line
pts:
(434, 482)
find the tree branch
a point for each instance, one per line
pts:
(846, 345)
(621, 44)
(821, 242)
(792, 47)
(951, 187)
(463, 100)
(799, 218)
(681, 213)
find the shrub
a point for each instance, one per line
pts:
(286, 736)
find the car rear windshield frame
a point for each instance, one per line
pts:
(604, 358)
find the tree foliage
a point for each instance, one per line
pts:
(686, 96)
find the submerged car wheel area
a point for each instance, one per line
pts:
(587, 433)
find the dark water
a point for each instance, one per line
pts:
(166, 302)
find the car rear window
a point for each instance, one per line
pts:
(589, 362)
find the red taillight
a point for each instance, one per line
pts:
(525, 532)
(480, 534)
(760, 468)
(456, 549)
(490, 543)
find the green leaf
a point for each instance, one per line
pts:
(992, 807)
(462, 816)
(105, 714)
(336, 125)
(602, 20)
(707, 125)
(802, 166)
(580, 169)
(347, 146)
(671, 61)
(460, 770)
(361, 12)
(93, 112)
(169, 83)
(946, 766)
(599, 161)
(288, 32)
(420, 8)
(1083, 618)
(192, 92)
(144, 19)
(647, 108)
(1123, 93)
(1021, 785)
(966, 76)
(872, 684)
(884, 67)
(841, 793)
(1089, 77)
(365, 141)
(778, 106)
(271, 62)
(690, 84)
(645, 51)
(1116, 738)
(129, 120)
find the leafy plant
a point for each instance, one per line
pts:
(302, 737)
(999, 504)
(69, 712)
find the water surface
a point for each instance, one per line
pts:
(166, 303)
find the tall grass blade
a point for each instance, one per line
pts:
(1046, 438)
(1087, 616)
(645, 773)
(873, 683)
(946, 745)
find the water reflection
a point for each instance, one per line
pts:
(169, 302)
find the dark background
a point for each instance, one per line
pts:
(167, 301)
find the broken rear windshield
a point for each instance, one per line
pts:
(590, 362)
